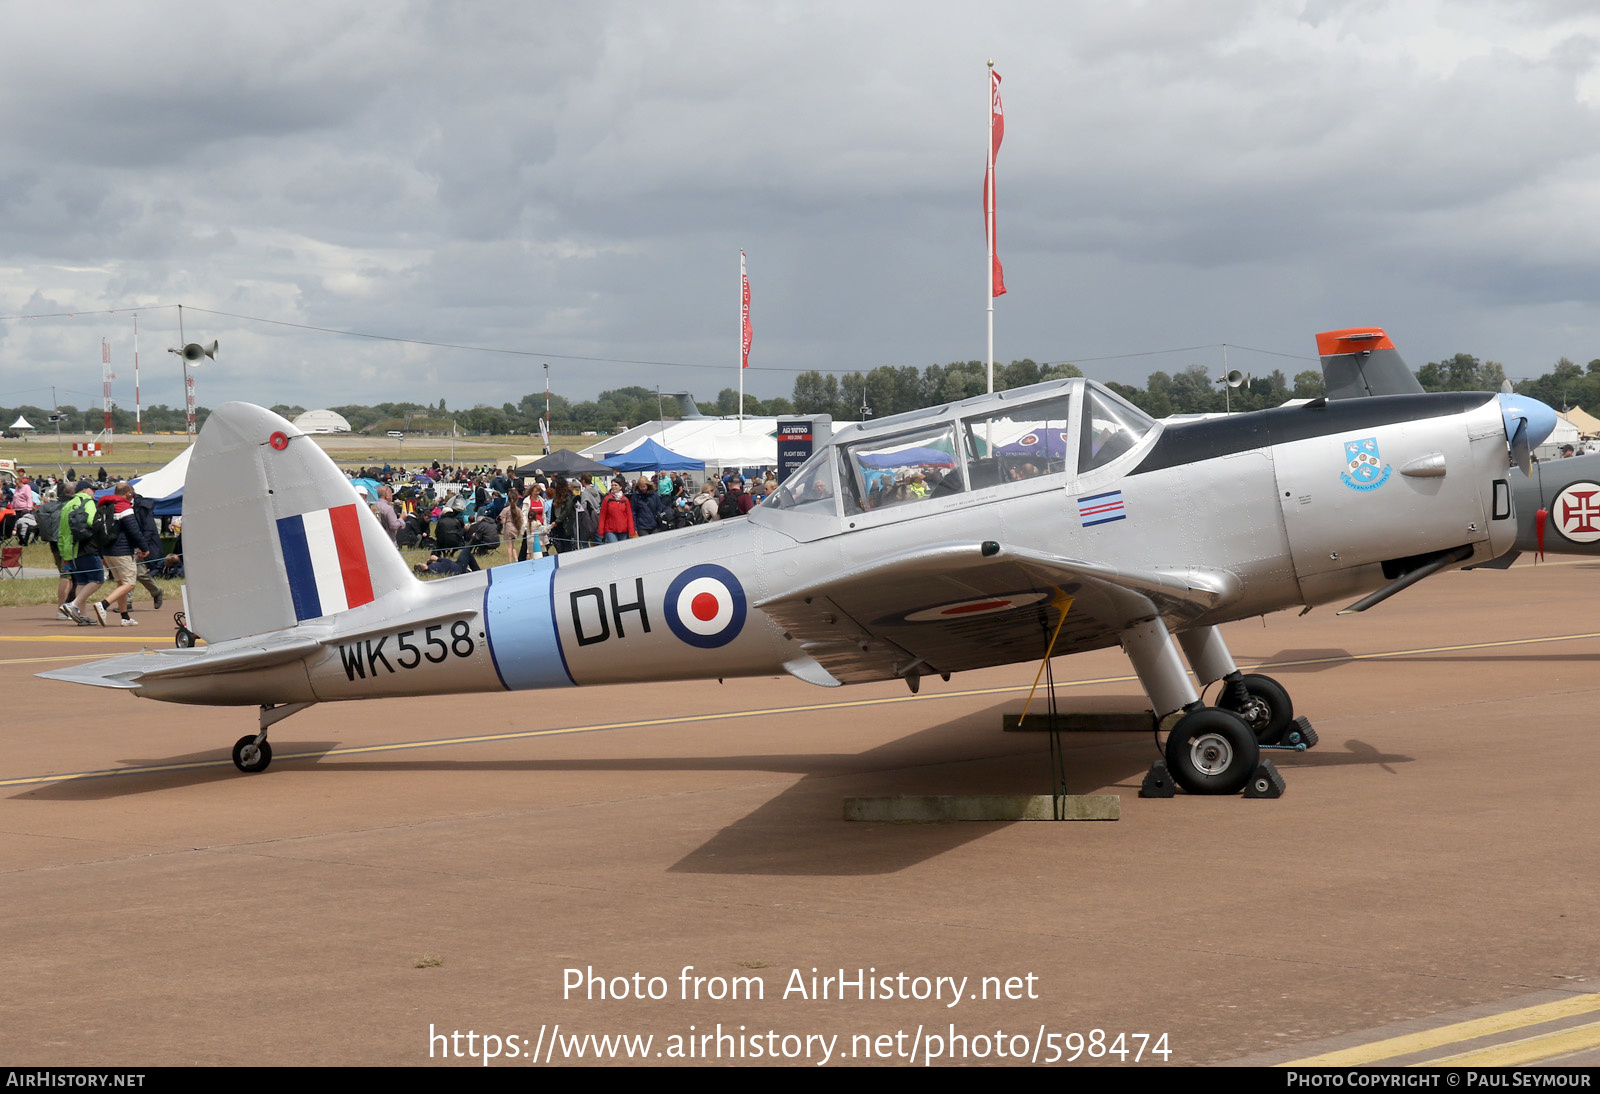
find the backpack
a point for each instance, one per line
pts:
(49, 517)
(728, 506)
(103, 528)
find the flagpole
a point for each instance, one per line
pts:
(988, 185)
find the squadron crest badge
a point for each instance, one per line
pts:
(1363, 469)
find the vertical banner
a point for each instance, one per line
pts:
(997, 132)
(744, 317)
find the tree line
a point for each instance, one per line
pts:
(853, 396)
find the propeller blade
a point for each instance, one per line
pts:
(1521, 451)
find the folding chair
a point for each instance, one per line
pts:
(10, 561)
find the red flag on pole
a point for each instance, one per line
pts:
(744, 315)
(997, 131)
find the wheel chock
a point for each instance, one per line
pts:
(1297, 738)
(1265, 782)
(1300, 733)
(1158, 782)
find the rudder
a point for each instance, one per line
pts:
(274, 535)
(1362, 361)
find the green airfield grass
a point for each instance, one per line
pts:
(135, 454)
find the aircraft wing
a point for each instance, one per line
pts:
(956, 606)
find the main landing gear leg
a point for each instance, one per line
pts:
(253, 752)
(1260, 700)
(1210, 750)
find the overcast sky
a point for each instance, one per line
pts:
(576, 181)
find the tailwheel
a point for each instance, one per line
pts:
(1263, 704)
(250, 757)
(1212, 751)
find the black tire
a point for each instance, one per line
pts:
(1212, 751)
(184, 639)
(1268, 711)
(250, 757)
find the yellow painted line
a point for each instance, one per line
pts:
(113, 637)
(33, 660)
(1528, 1050)
(520, 735)
(1429, 649)
(1449, 1035)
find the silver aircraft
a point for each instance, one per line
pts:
(1006, 528)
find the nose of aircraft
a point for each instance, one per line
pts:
(1528, 423)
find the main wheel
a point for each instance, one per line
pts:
(250, 757)
(1266, 709)
(1212, 751)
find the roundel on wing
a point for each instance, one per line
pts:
(967, 609)
(705, 606)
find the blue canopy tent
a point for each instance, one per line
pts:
(369, 485)
(908, 457)
(651, 456)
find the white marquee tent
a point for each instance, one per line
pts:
(719, 442)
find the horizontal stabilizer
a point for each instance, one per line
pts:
(113, 672)
(133, 670)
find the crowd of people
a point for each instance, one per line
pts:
(462, 514)
(92, 526)
(457, 514)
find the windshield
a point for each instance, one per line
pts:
(1111, 426)
(809, 487)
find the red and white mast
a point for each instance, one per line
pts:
(138, 423)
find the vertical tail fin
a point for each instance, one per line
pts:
(273, 533)
(1361, 361)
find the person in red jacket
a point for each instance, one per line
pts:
(122, 557)
(616, 515)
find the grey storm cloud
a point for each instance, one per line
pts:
(577, 180)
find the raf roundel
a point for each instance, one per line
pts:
(966, 609)
(705, 606)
